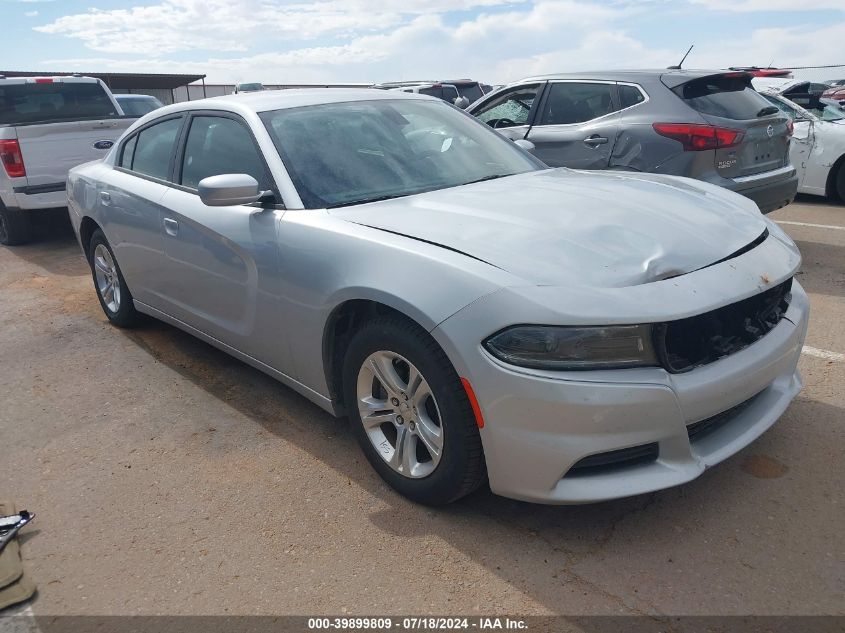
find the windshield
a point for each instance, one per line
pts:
(796, 112)
(249, 87)
(830, 111)
(138, 107)
(349, 153)
(470, 91)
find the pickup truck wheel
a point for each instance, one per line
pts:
(15, 226)
(112, 291)
(410, 413)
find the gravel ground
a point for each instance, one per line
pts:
(169, 478)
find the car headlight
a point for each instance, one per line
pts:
(566, 348)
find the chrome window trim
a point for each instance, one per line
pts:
(603, 116)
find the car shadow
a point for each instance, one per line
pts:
(545, 552)
(815, 201)
(53, 246)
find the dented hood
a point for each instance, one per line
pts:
(553, 227)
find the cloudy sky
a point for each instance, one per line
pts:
(279, 41)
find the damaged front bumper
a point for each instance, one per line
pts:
(579, 437)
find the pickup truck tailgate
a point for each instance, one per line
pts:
(50, 150)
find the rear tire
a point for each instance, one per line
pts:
(15, 226)
(840, 182)
(111, 288)
(441, 459)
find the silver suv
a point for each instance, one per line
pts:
(708, 125)
(47, 126)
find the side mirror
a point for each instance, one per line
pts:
(526, 145)
(229, 189)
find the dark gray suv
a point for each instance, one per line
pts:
(708, 125)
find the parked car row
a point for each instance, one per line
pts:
(569, 336)
(460, 92)
(712, 126)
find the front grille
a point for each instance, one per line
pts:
(701, 429)
(689, 343)
(612, 460)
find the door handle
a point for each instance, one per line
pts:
(105, 198)
(171, 226)
(594, 140)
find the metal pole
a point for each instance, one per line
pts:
(203, 88)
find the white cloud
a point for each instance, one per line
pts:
(414, 40)
(180, 25)
(769, 5)
(31, 14)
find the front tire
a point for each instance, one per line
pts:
(112, 291)
(410, 413)
(15, 226)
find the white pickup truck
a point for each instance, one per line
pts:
(47, 126)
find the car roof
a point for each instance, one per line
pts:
(132, 96)
(672, 77)
(79, 79)
(268, 100)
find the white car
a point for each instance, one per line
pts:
(817, 150)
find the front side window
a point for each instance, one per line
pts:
(349, 153)
(572, 102)
(510, 108)
(153, 148)
(219, 145)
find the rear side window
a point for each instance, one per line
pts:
(218, 145)
(57, 101)
(572, 102)
(128, 152)
(722, 96)
(153, 149)
(630, 96)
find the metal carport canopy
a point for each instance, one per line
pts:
(120, 81)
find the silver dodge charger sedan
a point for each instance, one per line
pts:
(569, 336)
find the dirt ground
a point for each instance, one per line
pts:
(169, 478)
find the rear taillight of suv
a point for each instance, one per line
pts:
(12, 159)
(790, 127)
(695, 137)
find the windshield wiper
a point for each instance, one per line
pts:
(368, 200)
(768, 110)
(491, 177)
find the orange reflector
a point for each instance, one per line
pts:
(473, 402)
